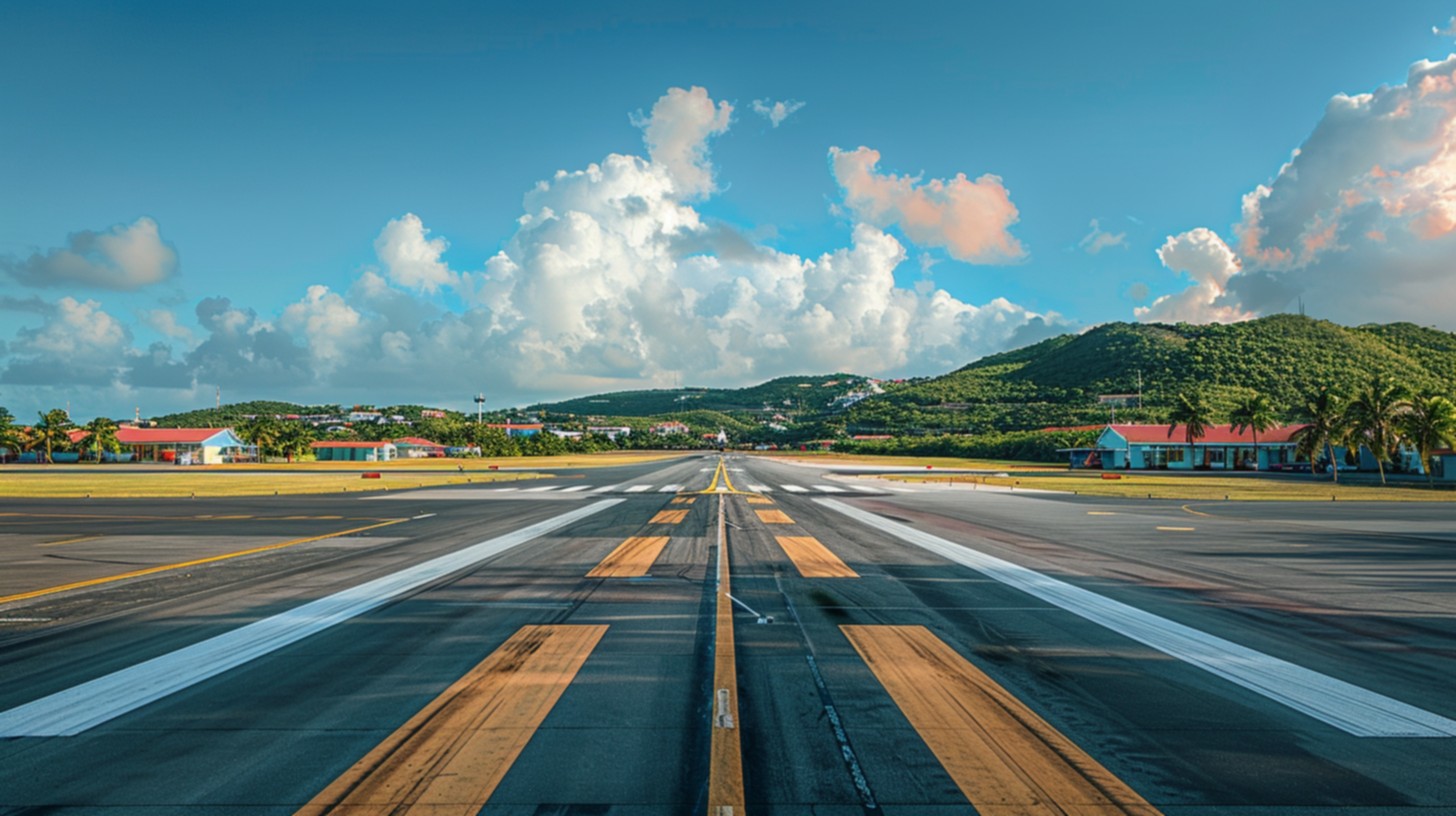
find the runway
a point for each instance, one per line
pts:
(707, 633)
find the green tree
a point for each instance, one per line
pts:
(262, 431)
(1374, 418)
(1324, 428)
(102, 436)
(52, 430)
(294, 440)
(1193, 413)
(1429, 423)
(10, 437)
(1254, 414)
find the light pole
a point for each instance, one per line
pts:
(479, 408)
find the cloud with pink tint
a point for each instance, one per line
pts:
(1360, 222)
(971, 219)
(1098, 239)
(776, 112)
(1204, 257)
(677, 132)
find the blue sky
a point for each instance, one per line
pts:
(255, 196)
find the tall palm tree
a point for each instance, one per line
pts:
(1194, 415)
(1373, 417)
(1255, 414)
(294, 439)
(261, 431)
(102, 436)
(51, 430)
(1324, 427)
(1429, 423)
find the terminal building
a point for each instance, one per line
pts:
(1161, 447)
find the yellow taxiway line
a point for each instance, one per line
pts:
(1003, 757)
(448, 759)
(632, 558)
(669, 517)
(725, 764)
(36, 593)
(773, 517)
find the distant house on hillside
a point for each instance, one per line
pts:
(1155, 447)
(518, 429)
(414, 447)
(669, 428)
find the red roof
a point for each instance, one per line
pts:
(351, 444)
(1213, 435)
(418, 442)
(165, 436)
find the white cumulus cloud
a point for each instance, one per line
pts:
(776, 112)
(677, 133)
(1098, 240)
(1204, 257)
(411, 259)
(125, 257)
(970, 219)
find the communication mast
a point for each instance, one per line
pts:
(479, 408)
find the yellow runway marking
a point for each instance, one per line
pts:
(759, 500)
(1004, 758)
(725, 762)
(449, 758)
(669, 517)
(684, 500)
(813, 559)
(1100, 513)
(74, 540)
(1176, 529)
(36, 593)
(631, 559)
(773, 517)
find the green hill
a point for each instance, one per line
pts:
(798, 394)
(1057, 381)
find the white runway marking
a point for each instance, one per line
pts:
(760, 488)
(828, 489)
(577, 489)
(76, 709)
(605, 488)
(1348, 707)
(639, 488)
(539, 489)
(865, 488)
(504, 489)
(670, 489)
(795, 488)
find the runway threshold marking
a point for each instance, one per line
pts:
(759, 500)
(631, 559)
(1355, 710)
(725, 764)
(1175, 529)
(36, 593)
(773, 517)
(669, 517)
(449, 758)
(997, 750)
(76, 709)
(812, 559)
(684, 500)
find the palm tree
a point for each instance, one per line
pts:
(261, 431)
(10, 438)
(52, 429)
(1194, 415)
(102, 433)
(1429, 423)
(1256, 415)
(1324, 426)
(1373, 417)
(294, 439)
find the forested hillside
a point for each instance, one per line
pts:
(809, 394)
(1057, 381)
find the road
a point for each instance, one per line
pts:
(726, 635)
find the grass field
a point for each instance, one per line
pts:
(611, 459)
(1247, 487)
(100, 484)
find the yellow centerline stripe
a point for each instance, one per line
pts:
(73, 540)
(813, 559)
(725, 763)
(997, 750)
(669, 517)
(449, 758)
(632, 558)
(36, 593)
(773, 517)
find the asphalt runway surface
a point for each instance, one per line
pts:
(576, 646)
